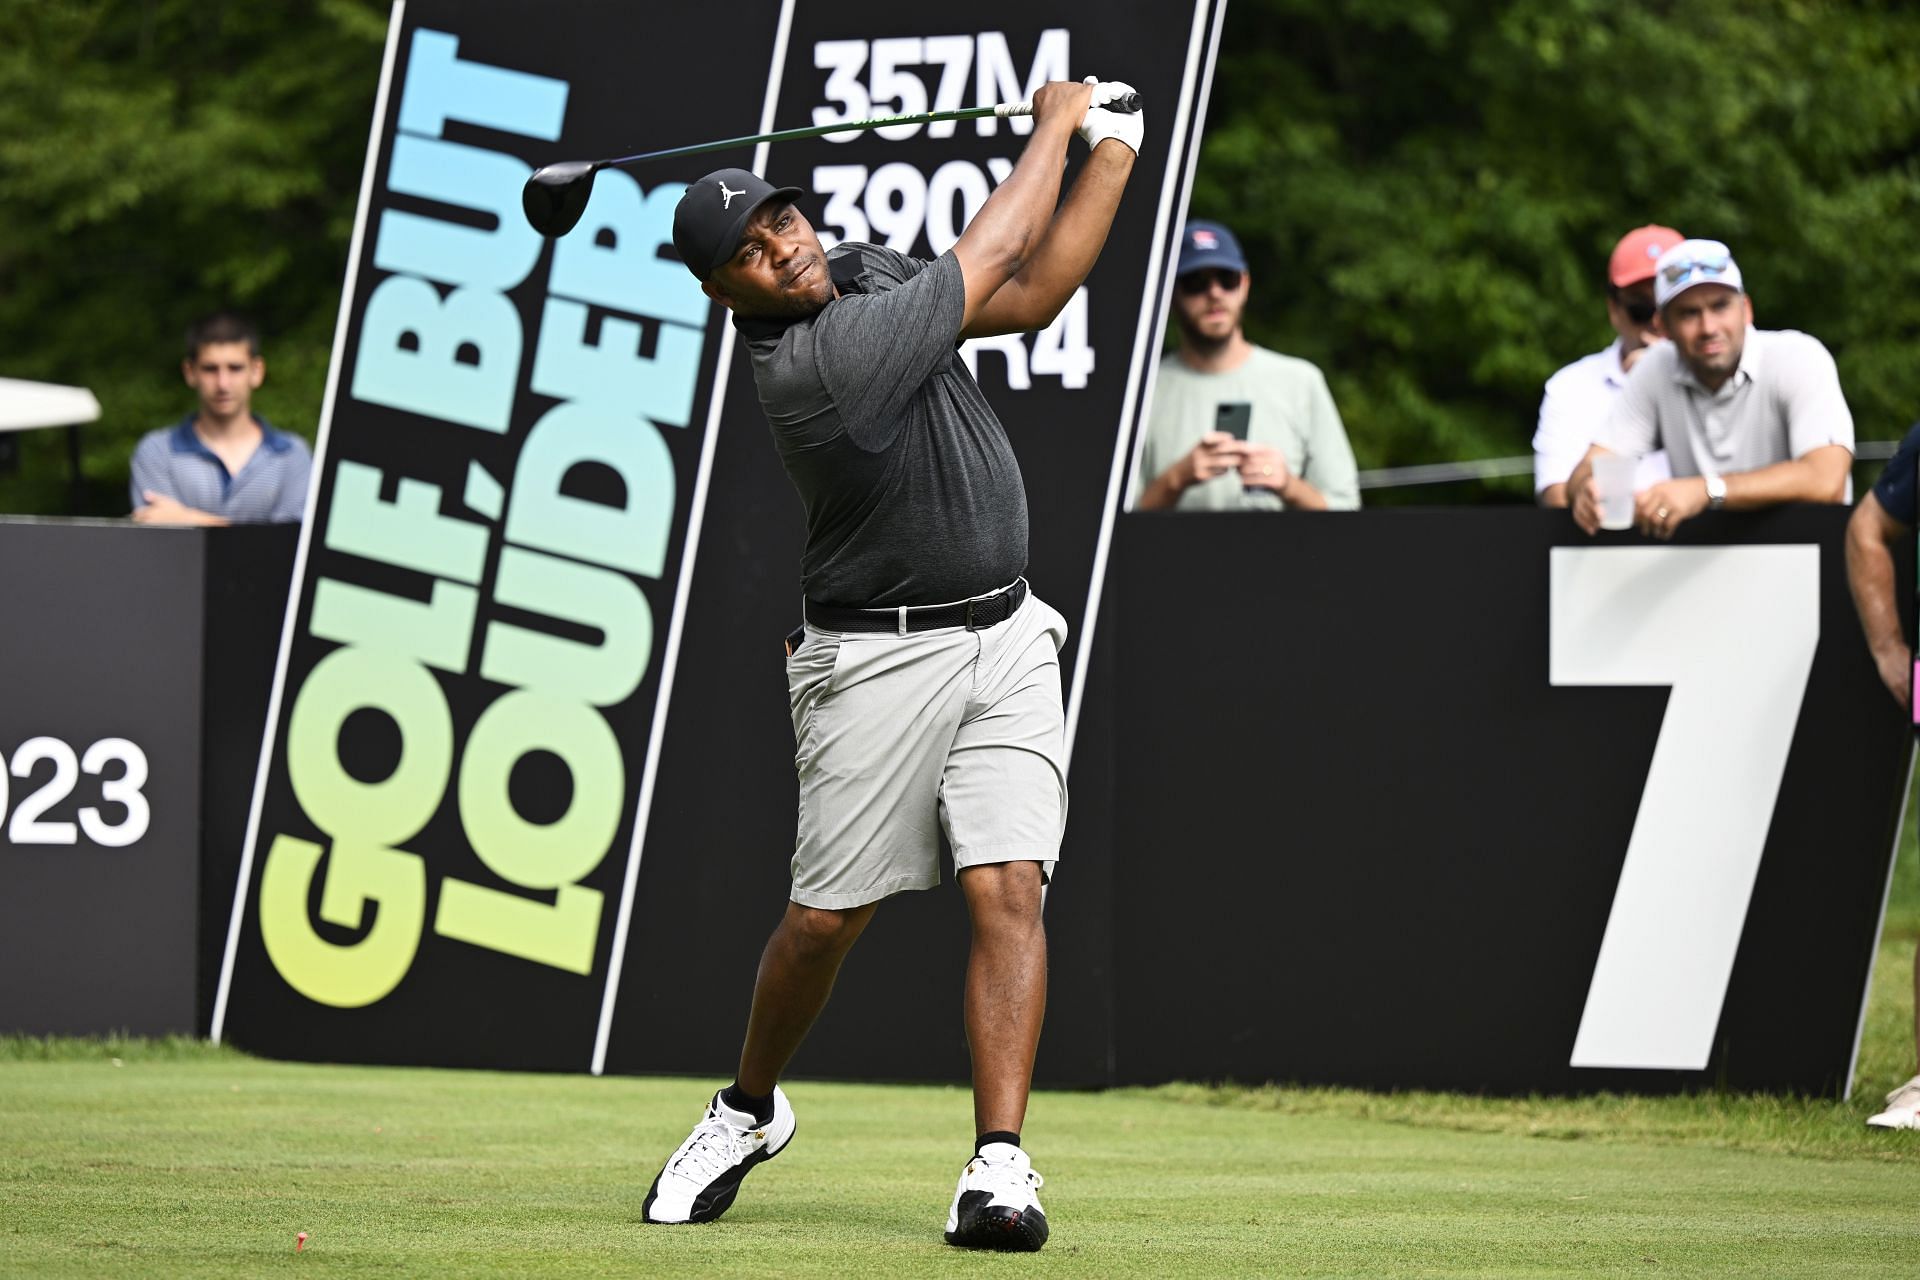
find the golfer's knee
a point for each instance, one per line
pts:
(818, 931)
(1004, 895)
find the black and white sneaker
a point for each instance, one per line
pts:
(701, 1179)
(995, 1206)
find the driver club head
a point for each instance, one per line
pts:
(556, 196)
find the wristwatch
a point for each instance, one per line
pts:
(1716, 492)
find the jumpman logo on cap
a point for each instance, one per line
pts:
(726, 196)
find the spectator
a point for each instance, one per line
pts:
(1284, 446)
(1888, 513)
(222, 464)
(1749, 417)
(1577, 400)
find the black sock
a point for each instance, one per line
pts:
(998, 1135)
(761, 1109)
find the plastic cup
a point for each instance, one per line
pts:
(1613, 485)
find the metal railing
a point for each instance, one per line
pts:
(1497, 468)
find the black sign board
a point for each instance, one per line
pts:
(1490, 805)
(136, 663)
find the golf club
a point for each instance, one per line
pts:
(556, 195)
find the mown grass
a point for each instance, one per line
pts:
(181, 1166)
(120, 1048)
(124, 1157)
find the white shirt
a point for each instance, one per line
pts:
(1573, 417)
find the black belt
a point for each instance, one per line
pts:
(974, 615)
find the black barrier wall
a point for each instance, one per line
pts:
(1371, 830)
(135, 665)
(1401, 869)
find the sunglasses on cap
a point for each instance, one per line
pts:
(1705, 267)
(1195, 283)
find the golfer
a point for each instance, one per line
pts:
(925, 682)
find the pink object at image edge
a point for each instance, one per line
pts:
(1916, 685)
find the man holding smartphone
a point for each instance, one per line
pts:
(1234, 426)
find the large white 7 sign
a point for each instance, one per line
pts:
(1732, 630)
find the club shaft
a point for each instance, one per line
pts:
(846, 126)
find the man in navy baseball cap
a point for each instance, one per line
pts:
(1208, 244)
(1234, 426)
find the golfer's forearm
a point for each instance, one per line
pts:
(1009, 227)
(1073, 240)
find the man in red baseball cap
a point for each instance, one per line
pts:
(1578, 399)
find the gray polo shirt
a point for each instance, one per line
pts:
(1782, 402)
(911, 490)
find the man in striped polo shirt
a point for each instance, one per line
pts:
(222, 464)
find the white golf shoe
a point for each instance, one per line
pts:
(1903, 1108)
(701, 1178)
(995, 1206)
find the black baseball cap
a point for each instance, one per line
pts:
(710, 217)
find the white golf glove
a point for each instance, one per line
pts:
(1100, 124)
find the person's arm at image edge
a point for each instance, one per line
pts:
(1870, 575)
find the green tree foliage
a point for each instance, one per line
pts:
(1428, 190)
(159, 160)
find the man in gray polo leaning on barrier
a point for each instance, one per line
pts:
(925, 683)
(1749, 417)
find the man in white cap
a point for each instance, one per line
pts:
(1578, 399)
(1749, 417)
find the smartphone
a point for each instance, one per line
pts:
(1234, 419)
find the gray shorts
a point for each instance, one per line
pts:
(894, 734)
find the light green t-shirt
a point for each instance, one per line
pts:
(1292, 411)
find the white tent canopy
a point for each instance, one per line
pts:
(25, 405)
